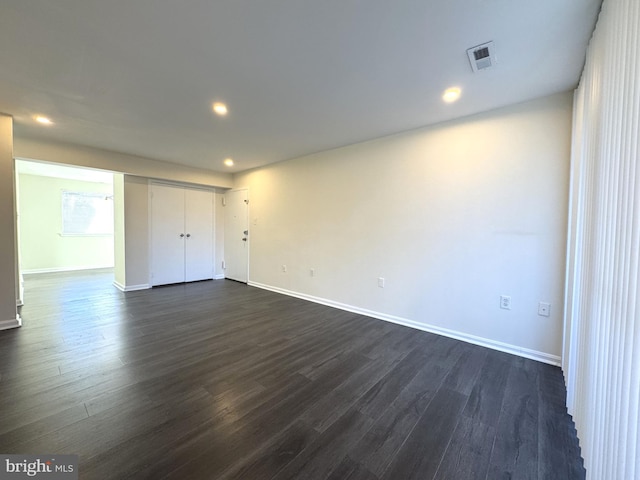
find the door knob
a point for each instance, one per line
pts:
(188, 235)
(181, 235)
(246, 232)
(244, 239)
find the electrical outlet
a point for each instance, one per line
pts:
(544, 309)
(505, 302)
(381, 282)
(284, 269)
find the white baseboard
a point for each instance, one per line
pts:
(13, 323)
(465, 337)
(64, 269)
(131, 288)
(220, 276)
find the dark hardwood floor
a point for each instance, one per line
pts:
(218, 380)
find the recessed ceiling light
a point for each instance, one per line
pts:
(451, 94)
(228, 162)
(220, 108)
(43, 120)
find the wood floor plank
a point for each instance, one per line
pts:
(217, 379)
(220, 438)
(469, 451)
(12, 440)
(386, 390)
(420, 455)
(487, 393)
(144, 447)
(515, 450)
(463, 374)
(276, 455)
(319, 458)
(556, 438)
(379, 446)
(108, 429)
(328, 409)
(350, 470)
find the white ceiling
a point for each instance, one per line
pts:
(298, 76)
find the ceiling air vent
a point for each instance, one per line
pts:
(482, 56)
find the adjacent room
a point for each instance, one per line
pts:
(70, 211)
(364, 240)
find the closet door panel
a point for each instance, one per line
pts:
(199, 238)
(167, 226)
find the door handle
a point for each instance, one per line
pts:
(181, 235)
(246, 232)
(188, 235)
(244, 239)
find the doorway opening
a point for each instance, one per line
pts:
(64, 219)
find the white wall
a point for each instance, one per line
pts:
(64, 153)
(136, 208)
(119, 267)
(132, 232)
(452, 216)
(43, 247)
(8, 279)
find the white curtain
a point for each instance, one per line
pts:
(601, 357)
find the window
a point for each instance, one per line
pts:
(87, 213)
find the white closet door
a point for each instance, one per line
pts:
(167, 234)
(199, 235)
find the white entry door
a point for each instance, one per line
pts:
(236, 235)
